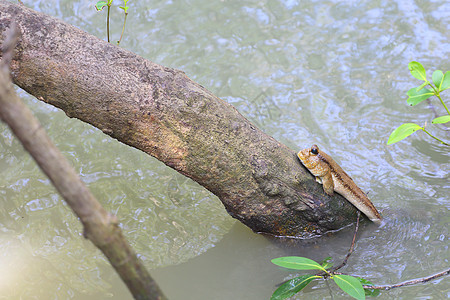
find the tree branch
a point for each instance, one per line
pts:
(350, 251)
(409, 282)
(385, 287)
(162, 112)
(99, 226)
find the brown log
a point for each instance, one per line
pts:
(100, 227)
(162, 112)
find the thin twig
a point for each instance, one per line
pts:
(123, 29)
(409, 282)
(107, 21)
(331, 271)
(350, 251)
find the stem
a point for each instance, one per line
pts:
(436, 92)
(423, 128)
(107, 21)
(332, 271)
(123, 28)
(439, 96)
(352, 246)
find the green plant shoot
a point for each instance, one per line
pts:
(440, 82)
(125, 10)
(100, 5)
(349, 284)
(326, 262)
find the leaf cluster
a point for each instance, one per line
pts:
(100, 5)
(440, 82)
(349, 284)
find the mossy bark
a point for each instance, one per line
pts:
(162, 112)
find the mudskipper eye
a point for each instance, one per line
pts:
(314, 150)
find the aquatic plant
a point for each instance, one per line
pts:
(349, 284)
(416, 95)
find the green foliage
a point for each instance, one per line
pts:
(440, 82)
(402, 132)
(369, 292)
(124, 7)
(326, 262)
(297, 263)
(441, 120)
(100, 5)
(445, 81)
(292, 287)
(417, 95)
(349, 284)
(417, 70)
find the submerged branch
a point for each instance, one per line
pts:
(408, 282)
(352, 246)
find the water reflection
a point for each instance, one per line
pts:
(327, 72)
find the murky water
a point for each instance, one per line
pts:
(327, 72)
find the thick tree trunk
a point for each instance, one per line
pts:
(162, 112)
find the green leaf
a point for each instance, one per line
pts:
(403, 131)
(437, 77)
(292, 287)
(326, 263)
(446, 81)
(417, 70)
(100, 5)
(368, 291)
(420, 87)
(350, 285)
(415, 96)
(297, 263)
(441, 120)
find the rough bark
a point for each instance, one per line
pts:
(100, 227)
(162, 112)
